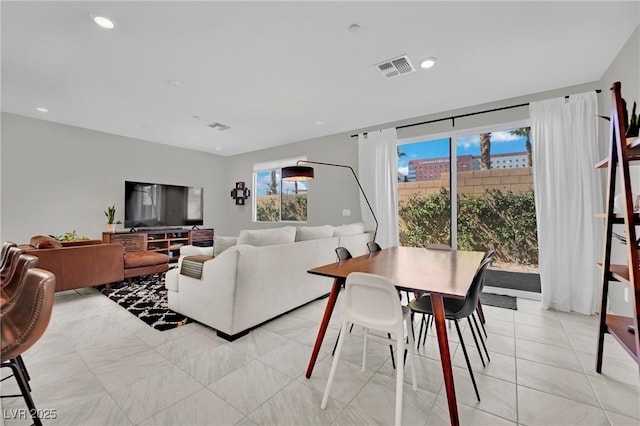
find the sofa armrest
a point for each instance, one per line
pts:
(210, 298)
(194, 250)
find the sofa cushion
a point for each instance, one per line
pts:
(220, 244)
(351, 229)
(267, 237)
(44, 242)
(137, 259)
(306, 233)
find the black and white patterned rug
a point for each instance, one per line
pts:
(146, 298)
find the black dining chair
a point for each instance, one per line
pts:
(373, 246)
(488, 254)
(457, 309)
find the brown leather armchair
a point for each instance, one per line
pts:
(4, 254)
(8, 268)
(12, 285)
(79, 263)
(23, 323)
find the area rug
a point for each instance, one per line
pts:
(146, 298)
(499, 300)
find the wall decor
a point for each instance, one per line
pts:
(240, 193)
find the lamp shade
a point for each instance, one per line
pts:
(297, 173)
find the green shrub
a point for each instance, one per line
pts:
(503, 221)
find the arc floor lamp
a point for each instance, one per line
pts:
(300, 173)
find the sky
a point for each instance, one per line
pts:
(263, 179)
(502, 142)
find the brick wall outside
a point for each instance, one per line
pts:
(473, 182)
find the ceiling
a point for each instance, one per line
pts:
(281, 72)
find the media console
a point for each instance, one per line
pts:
(167, 241)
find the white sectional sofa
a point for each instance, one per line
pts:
(259, 275)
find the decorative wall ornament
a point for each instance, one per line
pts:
(240, 193)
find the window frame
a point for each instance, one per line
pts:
(269, 166)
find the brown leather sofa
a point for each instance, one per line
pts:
(78, 264)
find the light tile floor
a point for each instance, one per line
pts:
(99, 365)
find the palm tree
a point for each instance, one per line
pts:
(526, 132)
(485, 151)
(273, 188)
(400, 153)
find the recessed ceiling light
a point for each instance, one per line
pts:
(218, 148)
(103, 22)
(319, 123)
(428, 62)
(354, 28)
(42, 109)
(174, 83)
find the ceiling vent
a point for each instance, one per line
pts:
(219, 126)
(395, 67)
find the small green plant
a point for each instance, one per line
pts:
(69, 236)
(111, 215)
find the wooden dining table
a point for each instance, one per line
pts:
(441, 273)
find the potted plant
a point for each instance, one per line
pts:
(111, 218)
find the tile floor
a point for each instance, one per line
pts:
(99, 365)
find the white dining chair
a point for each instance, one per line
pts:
(372, 302)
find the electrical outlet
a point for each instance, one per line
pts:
(346, 212)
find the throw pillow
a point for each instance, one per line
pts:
(220, 244)
(351, 229)
(305, 233)
(44, 242)
(267, 237)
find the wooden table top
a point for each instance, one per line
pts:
(445, 272)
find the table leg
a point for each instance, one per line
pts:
(445, 356)
(331, 302)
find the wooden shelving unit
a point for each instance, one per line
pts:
(169, 241)
(622, 153)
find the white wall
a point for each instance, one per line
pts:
(58, 178)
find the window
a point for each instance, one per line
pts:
(276, 200)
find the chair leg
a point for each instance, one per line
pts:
(334, 365)
(480, 312)
(466, 358)
(422, 322)
(399, 381)
(393, 362)
(333, 352)
(481, 317)
(412, 356)
(23, 367)
(24, 389)
(486, 352)
(364, 350)
(475, 339)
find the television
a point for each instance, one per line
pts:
(155, 205)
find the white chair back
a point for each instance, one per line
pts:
(372, 301)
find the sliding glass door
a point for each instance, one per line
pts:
(492, 185)
(424, 189)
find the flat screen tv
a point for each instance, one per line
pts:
(155, 205)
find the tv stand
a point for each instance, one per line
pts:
(166, 240)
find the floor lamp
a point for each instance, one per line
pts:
(300, 173)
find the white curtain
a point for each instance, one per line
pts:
(568, 193)
(378, 174)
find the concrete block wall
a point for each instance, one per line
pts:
(473, 182)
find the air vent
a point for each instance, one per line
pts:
(219, 126)
(395, 67)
